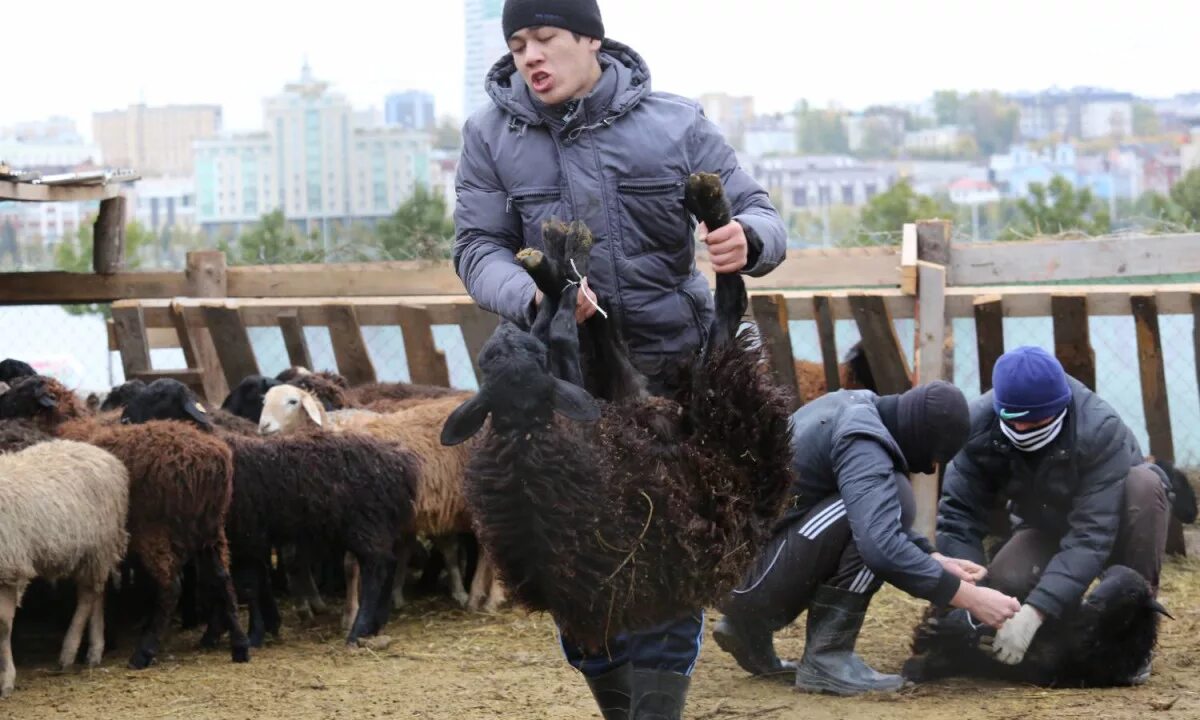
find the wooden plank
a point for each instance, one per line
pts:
(349, 347)
(989, 337)
(931, 322)
(205, 275)
(770, 315)
(1196, 334)
(232, 343)
(426, 364)
(1048, 260)
(1155, 402)
(477, 325)
(823, 314)
(157, 338)
(108, 237)
(183, 337)
(1072, 345)
(28, 192)
(294, 340)
(886, 358)
(129, 324)
(925, 494)
(64, 288)
(933, 241)
(908, 260)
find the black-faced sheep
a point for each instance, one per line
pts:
(245, 400)
(441, 512)
(1102, 643)
(180, 487)
(619, 515)
(346, 491)
(63, 508)
(11, 369)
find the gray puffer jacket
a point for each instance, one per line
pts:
(619, 165)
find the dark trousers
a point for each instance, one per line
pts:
(672, 646)
(1141, 540)
(816, 549)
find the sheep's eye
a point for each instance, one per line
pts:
(293, 401)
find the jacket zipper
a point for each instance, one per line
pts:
(529, 195)
(647, 187)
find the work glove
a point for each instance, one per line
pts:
(1013, 638)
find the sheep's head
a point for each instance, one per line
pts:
(122, 394)
(1119, 599)
(292, 373)
(41, 399)
(287, 408)
(11, 370)
(325, 388)
(518, 390)
(166, 399)
(246, 400)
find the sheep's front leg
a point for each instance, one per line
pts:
(8, 609)
(85, 598)
(351, 569)
(96, 631)
(447, 545)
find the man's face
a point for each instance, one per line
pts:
(555, 65)
(1023, 427)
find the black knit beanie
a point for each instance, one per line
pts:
(581, 16)
(930, 423)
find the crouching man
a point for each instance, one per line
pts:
(848, 530)
(1080, 495)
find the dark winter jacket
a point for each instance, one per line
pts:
(1073, 488)
(619, 165)
(841, 446)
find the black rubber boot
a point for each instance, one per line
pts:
(829, 664)
(658, 694)
(613, 692)
(753, 647)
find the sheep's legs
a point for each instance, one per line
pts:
(383, 608)
(487, 592)
(447, 545)
(350, 612)
(8, 670)
(96, 631)
(85, 598)
(298, 560)
(374, 575)
(160, 563)
(403, 551)
(219, 589)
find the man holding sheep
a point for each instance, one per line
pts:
(1080, 494)
(575, 133)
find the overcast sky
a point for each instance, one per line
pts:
(73, 57)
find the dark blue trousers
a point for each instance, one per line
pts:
(672, 646)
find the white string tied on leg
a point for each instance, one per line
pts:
(577, 283)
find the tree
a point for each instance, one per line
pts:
(1145, 120)
(74, 254)
(419, 229)
(820, 131)
(272, 241)
(879, 139)
(947, 106)
(448, 135)
(993, 119)
(888, 211)
(1059, 208)
(1185, 194)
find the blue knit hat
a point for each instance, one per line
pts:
(1029, 384)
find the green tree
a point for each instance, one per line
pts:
(947, 106)
(1185, 194)
(820, 131)
(1058, 208)
(1145, 120)
(419, 229)
(887, 212)
(74, 254)
(993, 119)
(272, 241)
(448, 135)
(879, 140)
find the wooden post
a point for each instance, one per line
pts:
(206, 278)
(771, 316)
(933, 241)
(293, 339)
(129, 325)
(823, 314)
(1071, 338)
(108, 236)
(426, 364)
(349, 347)
(477, 325)
(908, 260)
(1196, 333)
(231, 341)
(880, 343)
(989, 336)
(1154, 378)
(931, 322)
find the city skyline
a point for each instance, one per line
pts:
(778, 55)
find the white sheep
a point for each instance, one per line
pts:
(441, 506)
(63, 507)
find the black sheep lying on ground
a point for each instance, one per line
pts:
(1102, 644)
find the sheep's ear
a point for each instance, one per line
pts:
(1157, 607)
(574, 402)
(196, 411)
(465, 421)
(312, 408)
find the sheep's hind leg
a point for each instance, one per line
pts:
(85, 598)
(374, 572)
(447, 545)
(8, 609)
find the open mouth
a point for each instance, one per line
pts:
(542, 81)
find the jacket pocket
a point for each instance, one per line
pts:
(535, 206)
(653, 218)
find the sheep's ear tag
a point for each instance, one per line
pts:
(200, 408)
(197, 413)
(574, 402)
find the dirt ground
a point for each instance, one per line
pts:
(443, 663)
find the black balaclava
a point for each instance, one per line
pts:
(930, 423)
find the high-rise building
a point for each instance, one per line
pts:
(312, 162)
(412, 110)
(155, 141)
(485, 45)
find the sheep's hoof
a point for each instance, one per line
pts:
(241, 654)
(94, 660)
(141, 659)
(5, 692)
(530, 258)
(461, 598)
